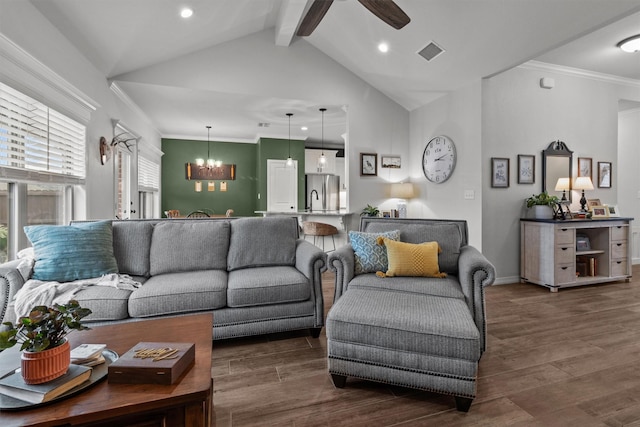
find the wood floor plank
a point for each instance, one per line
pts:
(570, 358)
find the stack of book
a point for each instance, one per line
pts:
(14, 386)
(88, 354)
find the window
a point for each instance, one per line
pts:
(148, 187)
(37, 138)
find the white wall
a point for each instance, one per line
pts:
(254, 65)
(25, 26)
(519, 117)
(458, 116)
(628, 161)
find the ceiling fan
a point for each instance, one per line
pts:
(386, 10)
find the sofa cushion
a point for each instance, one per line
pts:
(188, 246)
(132, 246)
(179, 293)
(267, 285)
(407, 323)
(446, 287)
(106, 303)
(448, 235)
(261, 242)
(369, 255)
(70, 252)
(410, 259)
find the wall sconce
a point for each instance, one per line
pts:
(402, 191)
(105, 150)
(198, 186)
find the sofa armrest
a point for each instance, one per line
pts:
(343, 263)
(10, 282)
(475, 272)
(312, 261)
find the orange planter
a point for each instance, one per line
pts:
(42, 366)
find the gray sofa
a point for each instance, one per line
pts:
(418, 332)
(256, 275)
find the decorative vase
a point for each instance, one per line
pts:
(542, 212)
(42, 366)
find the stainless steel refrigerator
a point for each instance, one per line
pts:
(322, 192)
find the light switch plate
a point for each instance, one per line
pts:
(469, 194)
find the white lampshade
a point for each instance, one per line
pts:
(403, 190)
(583, 183)
(562, 184)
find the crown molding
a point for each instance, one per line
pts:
(122, 95)
(578, 72)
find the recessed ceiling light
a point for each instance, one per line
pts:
(304, 128)
(186, 12)
(630, 45)
(383, 47)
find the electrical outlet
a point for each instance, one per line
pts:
(469, 194)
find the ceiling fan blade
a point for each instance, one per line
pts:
(313, 17)
(388, 11)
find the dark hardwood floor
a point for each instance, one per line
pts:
(570, 358)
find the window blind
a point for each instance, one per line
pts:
(38, 138)
(148, 174)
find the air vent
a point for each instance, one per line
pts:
(430, 51)
(264, 125)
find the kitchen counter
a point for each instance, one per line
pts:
(337, 218)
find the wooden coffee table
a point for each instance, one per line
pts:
(186, 403)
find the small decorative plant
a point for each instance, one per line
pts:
(542, 199)
(45, 327)
(370, 211)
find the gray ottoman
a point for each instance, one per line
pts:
(406, 339)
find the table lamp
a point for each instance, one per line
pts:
(563, 185)
(583, 183)
(402, 191)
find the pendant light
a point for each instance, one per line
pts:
(322, 160)
(289, 159)
(210, 162)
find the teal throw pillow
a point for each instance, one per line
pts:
(369, 255)
(65, 253)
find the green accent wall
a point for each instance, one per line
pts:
(270, 148)
(242, 193)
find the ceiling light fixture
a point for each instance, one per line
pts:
(631, 44)
(322, 160)
(186, 12)
(289, 159)
(383, 47)
(304, 128)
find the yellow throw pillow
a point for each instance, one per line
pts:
(409, 259)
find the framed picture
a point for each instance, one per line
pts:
(368, 164)
(499, 172)
(526, 169)
(390, 162)
(584, 167)
(613, 210)
(599, 212)
(604, 174)
(593, 202)
(386, 214)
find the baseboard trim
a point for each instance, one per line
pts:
(507, 280)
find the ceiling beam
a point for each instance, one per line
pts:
(289, 17)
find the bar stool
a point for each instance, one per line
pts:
(319, 229)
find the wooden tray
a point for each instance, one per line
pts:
(8, 403)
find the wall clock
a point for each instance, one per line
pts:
(439, 159)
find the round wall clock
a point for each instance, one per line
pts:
(439, 159)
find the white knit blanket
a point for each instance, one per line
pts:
(37, 292)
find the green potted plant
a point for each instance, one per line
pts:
(42, 335)
(541, 205)
(370, 211)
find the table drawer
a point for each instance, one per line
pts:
(565, 254)
(565, 273)
(619, 268)
(619, 232)
(619, 250)
(564, 236)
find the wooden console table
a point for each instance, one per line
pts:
(186, 403)
(550, 255)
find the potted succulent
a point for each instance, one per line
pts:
(370, 211)
(42, 335)
(541, 205)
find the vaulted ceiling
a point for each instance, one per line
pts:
(480, 38)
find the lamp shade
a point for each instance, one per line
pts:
(562, 184)
(403, 190)
(583, 183)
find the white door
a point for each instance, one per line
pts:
(282, 186)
